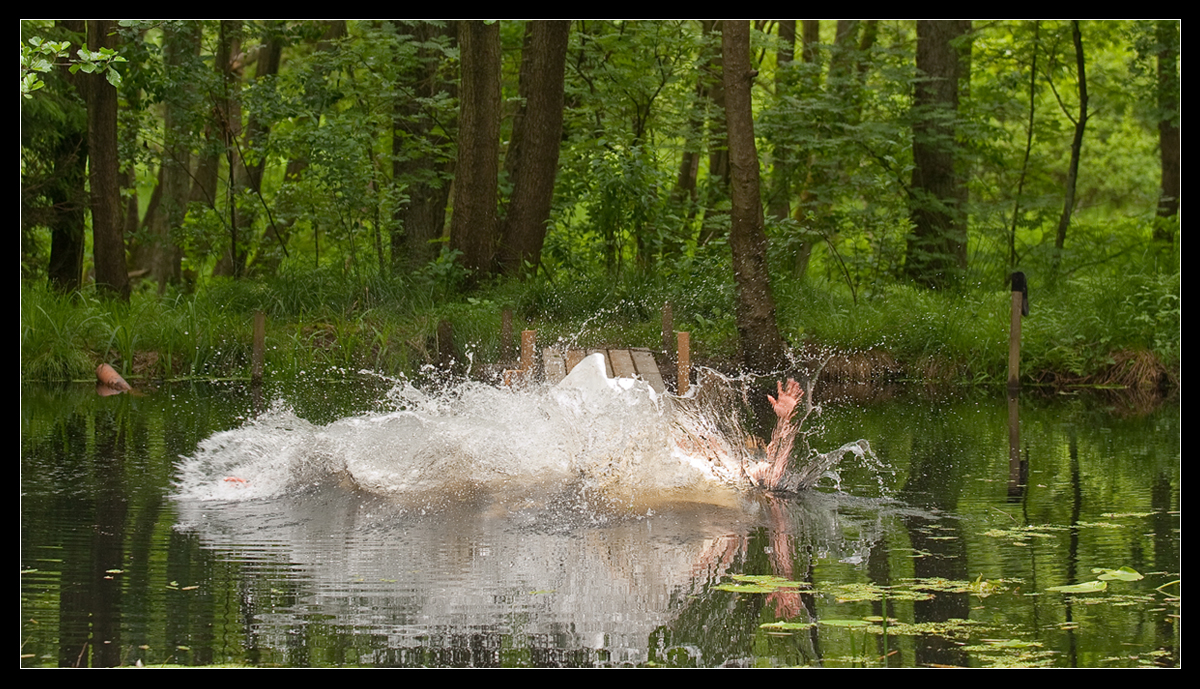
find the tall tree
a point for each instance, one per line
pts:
(1080, 122)
(783, 159)
(1012, 235)
(67, 192)
(539, 136)
(473, 224)
(761, 344)
(108, 244)
(181, 45)
(937, 247)
(718, 140)
(1167, 35)
(422, 160)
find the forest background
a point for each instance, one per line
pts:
(864, 187)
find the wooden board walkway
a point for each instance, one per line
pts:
(618, 363)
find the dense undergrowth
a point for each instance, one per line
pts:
(1085, 330)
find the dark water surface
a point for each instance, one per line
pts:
(959, 539)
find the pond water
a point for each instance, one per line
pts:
(204, 524)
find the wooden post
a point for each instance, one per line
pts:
(506, 339)
(528, 344)
(668, 328)
(260, 337)
(685, 363)
(1020, 307)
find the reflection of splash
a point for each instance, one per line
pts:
(450, 586)
(612, 440)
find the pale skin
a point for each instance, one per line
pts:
(768, 474)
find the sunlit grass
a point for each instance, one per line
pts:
(1087, 326)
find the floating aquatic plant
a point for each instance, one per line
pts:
(1086, 587)
(1122, 574)
(848, 593)
(759, 583)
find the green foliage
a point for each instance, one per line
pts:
(55, 335)
(39, 56)
(346, 133)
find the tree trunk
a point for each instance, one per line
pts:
(1168, 123)
(1064, 221)
(718, 146)
(68, 193)
(228, 124)
(762, 346)
(473, 224)
(1012, 235)
(181, 42)
(936, 250)
(108, 244)
(783, 156)
(540, 134)
(421, 164)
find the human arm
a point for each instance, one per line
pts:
(769, 474)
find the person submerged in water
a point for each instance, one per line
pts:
(770, 473)
(707, 433)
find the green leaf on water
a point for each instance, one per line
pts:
(786, 625)
(846, 623)
(1086, 587)
(1011, 643)
(1122, 574)
(770, 580)
(759, 583)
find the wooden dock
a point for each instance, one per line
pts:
(618, 363)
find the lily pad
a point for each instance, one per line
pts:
(786, 626)
(1122, 574)
(1086, 587)
(759, 583)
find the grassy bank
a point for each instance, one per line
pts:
(1084, 331)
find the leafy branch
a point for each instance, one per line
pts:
(40, 56)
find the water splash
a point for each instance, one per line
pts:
(613, 442)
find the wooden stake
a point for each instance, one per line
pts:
(685, 363)
(528, 344)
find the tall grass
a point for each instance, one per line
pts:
(321, 321)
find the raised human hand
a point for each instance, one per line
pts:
(789, 397)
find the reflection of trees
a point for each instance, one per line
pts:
(935, 483)
(797, 528)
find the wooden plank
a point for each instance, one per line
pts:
(556, 365)
(647, 368)
(622, 363)
(618, 363)
(574, 356)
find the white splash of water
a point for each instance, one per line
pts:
(613, 438)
